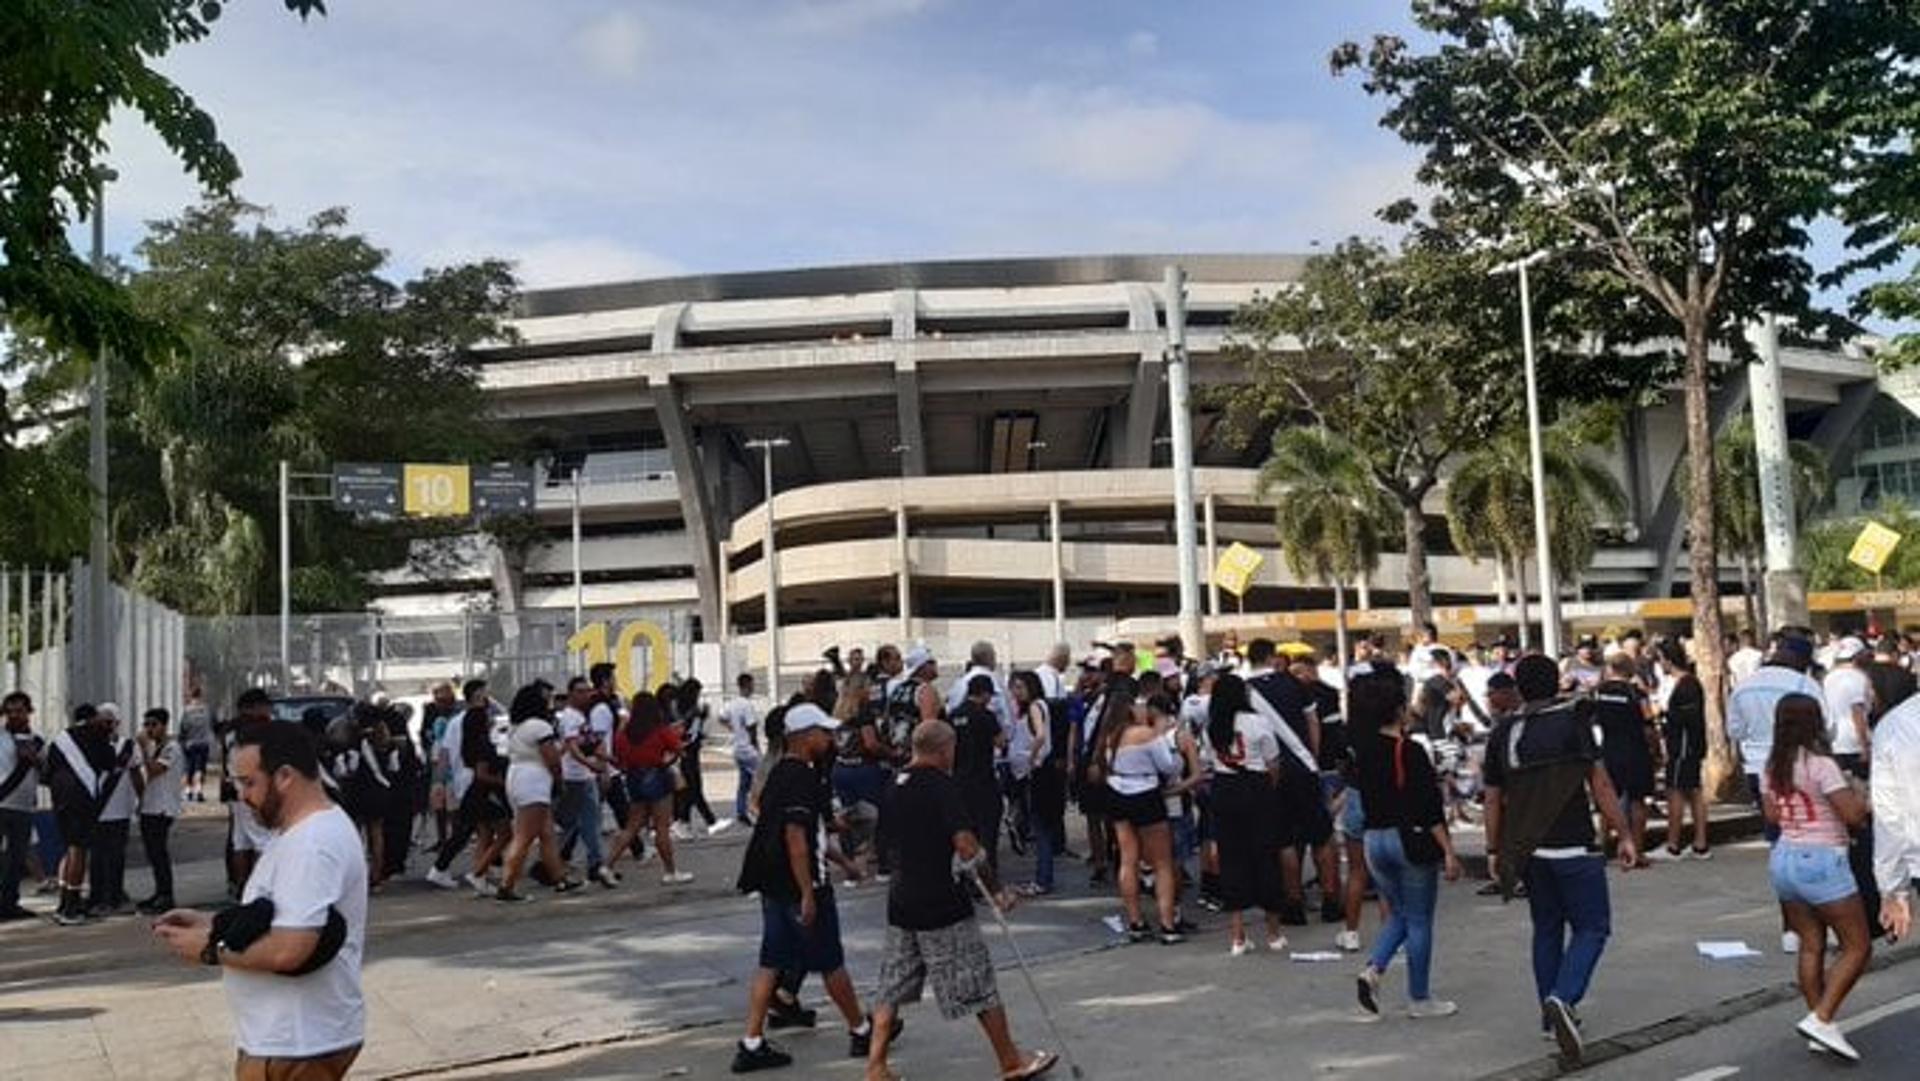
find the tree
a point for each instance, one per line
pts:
(1407, 356)
(1824, 547)
(1736, 503)
(1490, 497)
(1327, 511)
(1676, 149)
(64, 70)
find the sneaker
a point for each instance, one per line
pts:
(1277, 944)
(1818, 1048)
(859, 1043)
(1139, 932)
(1185, 926)
(1665, 854)
(1367, 989)
(507, 896)
(1171, 936)
(789, 1015)
(1431, 1007)
(479, 884)
(1566, 1028)
(1699, 853)
(569, 885)
(1789, 942)
(1240, 949)
(683, 832)
(606, 877)
(1828, 1035)
(70, 917)
(1211, 903)
(764, 1057)
(1347, 941)
(437, 877)
(720, 827)
(676, 878)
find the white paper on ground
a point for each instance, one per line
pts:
(1726, 951)
(1315, 955)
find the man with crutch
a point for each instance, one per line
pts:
(931, 932)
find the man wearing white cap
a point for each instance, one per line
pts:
(1849, 696)
(786, 864)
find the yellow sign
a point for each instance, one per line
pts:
(1237, 566)
(1871, 550)
(436, 491)
(629, 677)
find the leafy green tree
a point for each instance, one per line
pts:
(1824, 547)
(1490, 497)
(1675, 151)
(1327, 511)
(1736, 502)
(65, 68)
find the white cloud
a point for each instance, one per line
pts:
(614, 44)
(1143, 43)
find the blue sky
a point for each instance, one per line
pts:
(593, 139)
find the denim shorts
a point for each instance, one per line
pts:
(1353, 816)
(649, 785)
(1811, 874)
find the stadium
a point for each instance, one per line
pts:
(978, 449)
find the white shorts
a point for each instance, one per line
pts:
(528, 786)
(246, 831)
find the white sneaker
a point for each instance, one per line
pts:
(1789, 942)
(442, 879)
(1699, 853)
(720, 827)
(1828, 1035)
(480, 885)
(676, 878)
(1240, 949)
(606, 876)
(1663, 854)
(1431, 1007)
(1348, 941)
(1565, 1026)
(1277, 943)
(682, 832)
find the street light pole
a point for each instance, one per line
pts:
(766, 447)
(1180, 411)
(1549, 594)
(99, 542)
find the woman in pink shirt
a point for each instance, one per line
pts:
(1813, 805)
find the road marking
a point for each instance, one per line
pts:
(1880, 1013)
(1714, 1074)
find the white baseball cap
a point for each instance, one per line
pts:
(807, 715)
(917, 658)
(1848, 648)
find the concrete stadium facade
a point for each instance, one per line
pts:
(974, 448)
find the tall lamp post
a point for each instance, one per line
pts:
(1180, 413)
(1549, 594)
(766, 447)
(99, 543)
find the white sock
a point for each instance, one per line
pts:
(865, 1027)
(751, 1043)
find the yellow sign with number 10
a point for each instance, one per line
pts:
(628, 677)
(436, 491)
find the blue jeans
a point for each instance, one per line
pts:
(580, 817)
(1185, 841)
(747, 767)
(1411, 890)
(1563, 894)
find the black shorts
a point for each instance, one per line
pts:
(1145, 809)
(1683, 774)
(1301, 809)
(76, 826)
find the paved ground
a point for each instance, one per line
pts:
(648, 982)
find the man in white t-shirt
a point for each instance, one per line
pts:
(1743, 657)
(982, 662)
(159, 761)
(1053, 674)
(293, 985)
(743, 728)
(120, 801)
(583, 768)
(20, 767)
(1849, 697)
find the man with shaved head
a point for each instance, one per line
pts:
(931, 932)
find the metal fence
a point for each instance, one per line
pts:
(363, 652)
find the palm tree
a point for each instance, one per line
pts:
(1490, 497)
(1328, 514)
(1736, 502)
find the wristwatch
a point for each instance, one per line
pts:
(210, 953)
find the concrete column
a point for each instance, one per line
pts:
(1213, 560)
(1059, 572)
(669, 402)
(1786, 586)
(913, 440)
(726, 607)
(904, 583)
(906, 314)
(1133, 445)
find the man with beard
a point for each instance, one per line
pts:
(246, 837)
(294, 986)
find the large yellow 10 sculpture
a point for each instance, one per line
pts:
(592, 640)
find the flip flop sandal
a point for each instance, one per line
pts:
(1038, 1066)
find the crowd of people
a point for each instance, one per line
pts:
(1254, 780)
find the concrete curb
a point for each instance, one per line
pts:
(1673, 1028)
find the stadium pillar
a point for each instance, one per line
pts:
(912, 444)
(696, 507)
(1180, 412)
(1786, 587)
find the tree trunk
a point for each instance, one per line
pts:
(1703, 559)
(1520, 598)
(1414, 523)
(1340, 640)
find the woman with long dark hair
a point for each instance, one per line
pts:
(1244, 756)
(1408, 847)
(646, 750)
(1684, 730)
(1813, 804)
(478, 787)
(689, 714)
(533, 767)
(1134, 763)
(1041, 787)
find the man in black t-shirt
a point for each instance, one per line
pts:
(931, 933)
(786, 864)
(1621, 709)
(1544, 775)
(977, 738)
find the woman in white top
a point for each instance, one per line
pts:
(533, 766)
(1134, 762)
(1245, 755)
